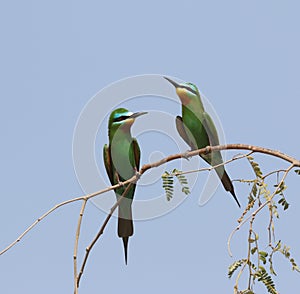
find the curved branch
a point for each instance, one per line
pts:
(210, 168)
(210, 149)
(145, 167)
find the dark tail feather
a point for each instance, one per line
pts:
(125, 243)
(125, 230)
(125, 227)
(227, 184)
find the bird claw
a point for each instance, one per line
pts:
(137, 174)
(120, 183)
(185, 155)
(207, 150)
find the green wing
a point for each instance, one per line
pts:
(182, 132)
(211, 130)
(108, 163)
(137, 153)
(215, 157)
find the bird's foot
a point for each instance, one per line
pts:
(137, 174)
(207, 150)
(120, 183)
(186, 155)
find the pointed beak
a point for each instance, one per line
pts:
(137, 114)
(176, 85)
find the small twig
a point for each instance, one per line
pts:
(210, 168)
(76, 244)
(249, 252)
(244, 181)
(238, 278)
(253, 215)
(89, 248)
(273, 172)
(271, 223)
(257, 252)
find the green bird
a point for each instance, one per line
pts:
(122, 160)
(198, 130)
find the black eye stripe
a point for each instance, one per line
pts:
(189, 89)
(120, 118)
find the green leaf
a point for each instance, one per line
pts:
(278, 245)
(185, 190)
(297, 171)
(232, 268)
(182, 181)
(254, 190)
(286, 252)
(280, 188)
(284, 203)
(263, 253)
(255, 167)
(168, 183)
(266, 279)
(253, 250)
(263, 259)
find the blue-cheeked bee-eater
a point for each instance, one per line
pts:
(198, 130)
(122, 160)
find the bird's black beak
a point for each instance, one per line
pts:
(137, 114)
(176, 85)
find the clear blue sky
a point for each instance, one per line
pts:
(55, 55)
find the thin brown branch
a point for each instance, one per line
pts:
(273, 172)
(89, 248)
(87, 197)
(249, 253)
(208, 149)
(235, 288)
(76, 244)
(210, 168)
(38, 220)
(271, 225)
